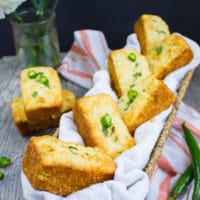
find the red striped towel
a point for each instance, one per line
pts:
(87, 55)
(175, 156)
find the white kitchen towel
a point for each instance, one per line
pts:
(129, 180)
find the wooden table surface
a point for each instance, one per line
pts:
(13, 144)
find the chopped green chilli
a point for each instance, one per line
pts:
(108, 131)
(132, 57)
(35, 94)
(44, 80)
(86, 153)
(182, 184)
(161, 31)
(132, 95)
(137, 74)
(1, 175)
(4, 162)
(32, 74)
(136, 64)
(73, 149)
(113, 129)
(39, 77)
(105, 131)
(106, 121)
(159, 50)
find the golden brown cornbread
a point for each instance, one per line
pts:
(25, 127)
(64, 167)
(88, 113)
(172, 54)
(150, 30)
(69, 100)
(41, 100)
(147, 98)
(124, 72)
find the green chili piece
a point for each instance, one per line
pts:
(132, 94)
(159, 50)
(105, 131)
(195, 154)
(136, 65)
(137, 74)
(1, 175)
(182, 183)
(4, 162)
(73, 149)
(32, 74)
(132, 57)
(106, 121)
(44, 80)
(161, 31)
(34, 94)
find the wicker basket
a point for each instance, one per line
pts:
(166, 129)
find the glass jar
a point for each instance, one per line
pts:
(36, 42)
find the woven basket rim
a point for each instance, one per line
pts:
(155, 154)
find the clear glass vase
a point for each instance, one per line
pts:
(36, 42)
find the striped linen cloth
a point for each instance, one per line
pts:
(87, 55)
